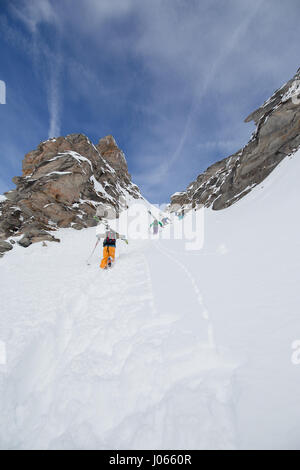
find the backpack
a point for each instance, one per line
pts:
(110, 239)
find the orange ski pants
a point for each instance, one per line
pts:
(108, 251)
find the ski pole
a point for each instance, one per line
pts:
(93, 251)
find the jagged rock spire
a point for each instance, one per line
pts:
(63, 183)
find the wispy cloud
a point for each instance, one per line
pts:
(54, 101)
(213, 68)
(223, 145)
(172, 79)
(34, 13)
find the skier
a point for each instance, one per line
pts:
(109, 245)
(155, 224)
(165, 221)
(180, 215)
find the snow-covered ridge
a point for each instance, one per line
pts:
(293, 91)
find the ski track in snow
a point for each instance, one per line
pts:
(103, 364)
(199, 296)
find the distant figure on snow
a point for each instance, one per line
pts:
(155, 224)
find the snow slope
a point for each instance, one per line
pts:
(169, 349)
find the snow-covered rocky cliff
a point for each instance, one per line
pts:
(277, 135)
(64, 181)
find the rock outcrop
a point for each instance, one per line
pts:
(63, 183)
(277, 135)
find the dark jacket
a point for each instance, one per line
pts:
(110, 237)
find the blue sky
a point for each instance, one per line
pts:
(172, 80)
